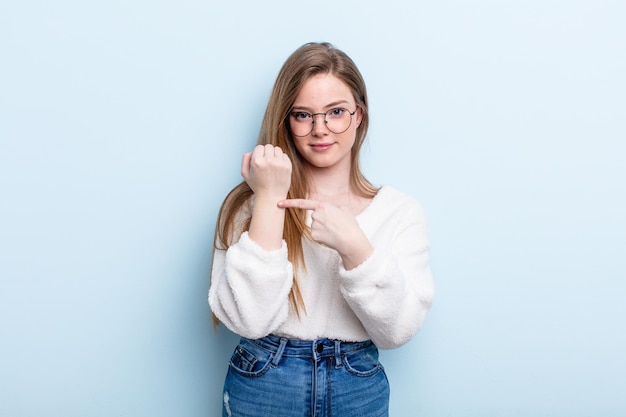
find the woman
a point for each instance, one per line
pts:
(313, 265)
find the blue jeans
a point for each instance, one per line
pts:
(278, 377)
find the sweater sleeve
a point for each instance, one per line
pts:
(250, 287)
(392, 291)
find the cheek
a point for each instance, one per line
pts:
(349, 138)
(298, 145)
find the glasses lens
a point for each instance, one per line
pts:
(338, 120)
(301, 123)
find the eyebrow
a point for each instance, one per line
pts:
(333, 104)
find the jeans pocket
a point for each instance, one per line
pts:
(250, 361)
(363, 362)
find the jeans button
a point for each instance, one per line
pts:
(320, 348)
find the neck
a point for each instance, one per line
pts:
(325, 182)
(333, 186)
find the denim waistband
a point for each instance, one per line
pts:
(283, 346)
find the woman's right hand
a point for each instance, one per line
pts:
(267, 170)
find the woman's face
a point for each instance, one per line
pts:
(321, 147)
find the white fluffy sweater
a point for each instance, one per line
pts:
(385, 299)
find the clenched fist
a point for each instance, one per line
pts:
(267, 170)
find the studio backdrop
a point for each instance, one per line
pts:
(122, 126)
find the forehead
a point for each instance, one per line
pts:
(322, 90)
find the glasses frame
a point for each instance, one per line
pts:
(290, 113)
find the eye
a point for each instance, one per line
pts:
(336, 112)
(300, 115)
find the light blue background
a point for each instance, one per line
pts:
(122, 125)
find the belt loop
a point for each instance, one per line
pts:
(279, 351)
(338, 363)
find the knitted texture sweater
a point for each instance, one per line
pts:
(385, 298)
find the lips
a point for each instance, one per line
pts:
(321, 146)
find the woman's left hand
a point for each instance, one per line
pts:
(335, 227)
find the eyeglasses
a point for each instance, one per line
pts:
(337, 120)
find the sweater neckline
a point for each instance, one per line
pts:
(371, 203)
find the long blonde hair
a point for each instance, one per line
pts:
(308, 60)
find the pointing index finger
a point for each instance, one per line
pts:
(300, 203)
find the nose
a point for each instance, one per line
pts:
(319, 125)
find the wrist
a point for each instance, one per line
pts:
(268, 197)
(266, 224)
(356, 254)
